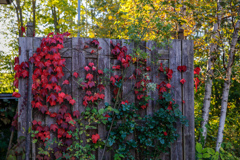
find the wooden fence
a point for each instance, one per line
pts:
(178, 53)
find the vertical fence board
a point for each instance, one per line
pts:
(78, 64)
(128, 84)
(22, 90)
(104, 62)
(174, 62)
(35, 112)
(29, 99)
(149, 45)
(188, 97)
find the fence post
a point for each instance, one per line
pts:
(30, 29)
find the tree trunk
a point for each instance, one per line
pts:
(54, 13)
(19, 15)
(34, 15)
(227, 84)
(208, 82)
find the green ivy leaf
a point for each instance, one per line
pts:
(199, 147)
(206, 155)
(35, 141)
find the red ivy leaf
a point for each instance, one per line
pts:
(139, 96)
(84, 85)
(60, 74)
(25, 73)
(15, 83)
(161, 68)
(91, 64)
(94, 68)
(95, 138)
(68, 136)
(101, 96)
(62, 94)
(65, 82)
(196, 82)
(89, 76)
(113, 80)
(92, 51)
(100, 71)
(86, 46)
(64, 125)
(126, 102)
(72, 101)
(116, 67)
(88, 93)
(91, 84)
(169, 73)
(76, 114)
(52, 97)
(168, 85)
(75, 74)
(197, 70)
(85, 103)
(17, 95)
(53, 127)
(53, 115)
(43, 109)
(148, 68)
(165, 133)
(101, 87)
(163, 89)
(53, 79)
(143, 106)
(68, 97)
(87, 68)
(182, 81)
(34, 122)
(107, 116)
(95, 42)
(23, 29)
(182, 68)
(57, 88)
(61, 131)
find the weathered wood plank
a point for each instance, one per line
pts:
(29, 99)
(142, 46)
(174, 62)
(35, 112)
(22, 90)
(78, 64)
(128, 85)
(149, 45)
(188, 97)
(104, 62)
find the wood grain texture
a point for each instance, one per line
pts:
(188, 97)
(104, 62)
(22, 90)
(35, 112)
(174, 62)
(78, 64)
(128, 85)
(149, 45)
(29, 100)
